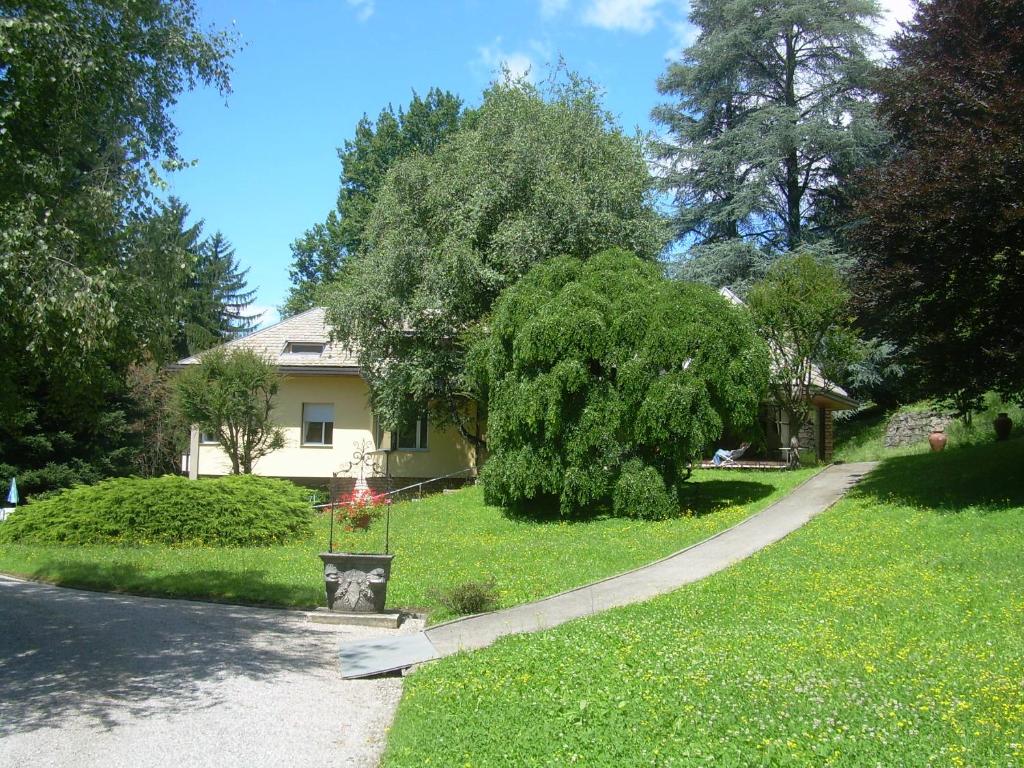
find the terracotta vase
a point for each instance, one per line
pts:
(1003, 424)
(937, 440)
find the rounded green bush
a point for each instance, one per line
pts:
(605, 381)
(238, 510)
(640, 492)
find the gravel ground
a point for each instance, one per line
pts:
(92, 679)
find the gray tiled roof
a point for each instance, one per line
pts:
(309, 326)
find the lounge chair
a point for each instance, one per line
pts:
(725, 458)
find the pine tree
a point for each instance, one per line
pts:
(219, 297)
(769, 114)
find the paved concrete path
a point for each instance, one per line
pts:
(666, 575)
(90, 679)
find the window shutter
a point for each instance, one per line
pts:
(318, 412)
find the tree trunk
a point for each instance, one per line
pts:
(793, 192)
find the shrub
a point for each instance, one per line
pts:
(594, 366)
(640, 492)
(469, 597)
(228, 511)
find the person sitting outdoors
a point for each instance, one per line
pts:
(727, 456)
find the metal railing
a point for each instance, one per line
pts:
(418, 486)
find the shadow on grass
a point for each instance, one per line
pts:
(985, 476)
(709, 496)
(248, 586)
(68, 653)
(696, 499)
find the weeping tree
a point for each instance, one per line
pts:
(606, 380)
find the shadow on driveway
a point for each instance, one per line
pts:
(70, 653)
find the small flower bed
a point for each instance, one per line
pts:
(358, 509)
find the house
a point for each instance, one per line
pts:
(323, 406)
(817, 434)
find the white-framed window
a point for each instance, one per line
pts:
(318, 423)
(406, 438)
(304, 348)
(205, 438)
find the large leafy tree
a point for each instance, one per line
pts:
(86, 88)
(940, 231)
(534, 175)
(768, 113)
(607, 380)
(365, 159)
(802, 309)
(85, 92)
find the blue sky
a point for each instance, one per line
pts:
(267, 165)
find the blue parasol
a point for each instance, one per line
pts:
(12, 494)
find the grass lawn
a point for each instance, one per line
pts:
(888, 631)
(439, 542)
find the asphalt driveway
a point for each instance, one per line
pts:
(90, 679)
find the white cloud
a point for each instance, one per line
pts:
(516, 64)
(363, 8)
(893, 12)
(684, 35)
(266, 315)
(630, 15)
(551, 8)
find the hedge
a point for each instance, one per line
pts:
(241, 510)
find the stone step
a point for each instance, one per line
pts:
(387, 620)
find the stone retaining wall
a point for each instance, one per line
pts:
(914, 427)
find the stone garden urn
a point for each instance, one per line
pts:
(356, 582)
(1003, 424)
(937, 439)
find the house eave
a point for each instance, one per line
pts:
(834, 401)
(294, 370)
(320, 370)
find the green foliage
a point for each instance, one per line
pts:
(85, 95)
(197, 287)
(317, 256)
(86, 90)
(160, 434)
(525, 558)
(45, 454)
(607, 380)
(469, 597)
(768, 116)
(231, 395)
(734, 264)
(801, 308)
(228, 511)
(884, 632)
(218, 299)
(942, 262)
(640, 492)
(534, 174)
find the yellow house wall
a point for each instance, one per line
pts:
(353, 425)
